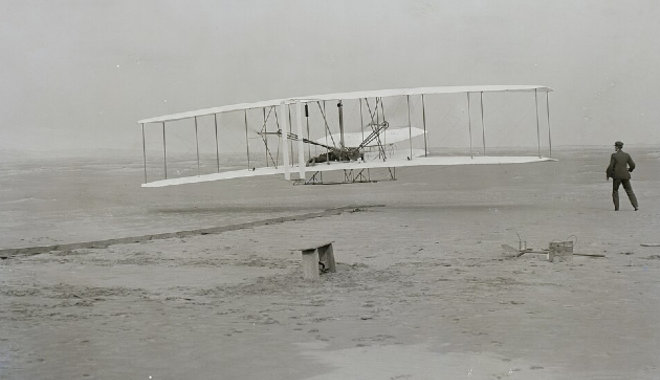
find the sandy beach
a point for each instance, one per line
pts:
(423, 288)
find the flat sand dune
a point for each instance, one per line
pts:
(423, 288)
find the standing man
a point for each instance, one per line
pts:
(621, 165)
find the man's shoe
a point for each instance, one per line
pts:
(636, 208)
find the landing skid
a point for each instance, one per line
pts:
(350, 176)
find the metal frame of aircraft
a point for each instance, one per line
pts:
(354, 153)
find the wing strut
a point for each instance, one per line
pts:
(197, 144)
(483, 126)
(217, 147)
(327, 152)
(424, 123)
(340, 110)
(164, 152)
(247, 142)
(309, 148)
(277, 123)
(538, 130)
(382, 112)
(409, 127)
(547, 107)
(144, 153)
(301, 148)
(469, 124)
(361, 120)
(392, 171)
(290, 128)
(264, 137)
(285, 134)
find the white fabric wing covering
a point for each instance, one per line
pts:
(347, 96)
(389, 136)
(421, 161)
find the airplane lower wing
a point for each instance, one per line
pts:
(323, 167)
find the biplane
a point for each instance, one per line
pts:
(303, 137)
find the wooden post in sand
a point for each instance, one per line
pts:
(327, 258)
(316, 260)
(310, 263)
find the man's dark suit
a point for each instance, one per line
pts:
(621, 165)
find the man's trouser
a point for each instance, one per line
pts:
(629, 191)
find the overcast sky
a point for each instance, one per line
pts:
(77, 75)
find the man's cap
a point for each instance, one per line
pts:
(619, 144)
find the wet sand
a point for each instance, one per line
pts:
(423, 288)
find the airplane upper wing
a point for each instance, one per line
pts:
(348, 95)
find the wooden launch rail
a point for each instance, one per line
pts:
(28, 251)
